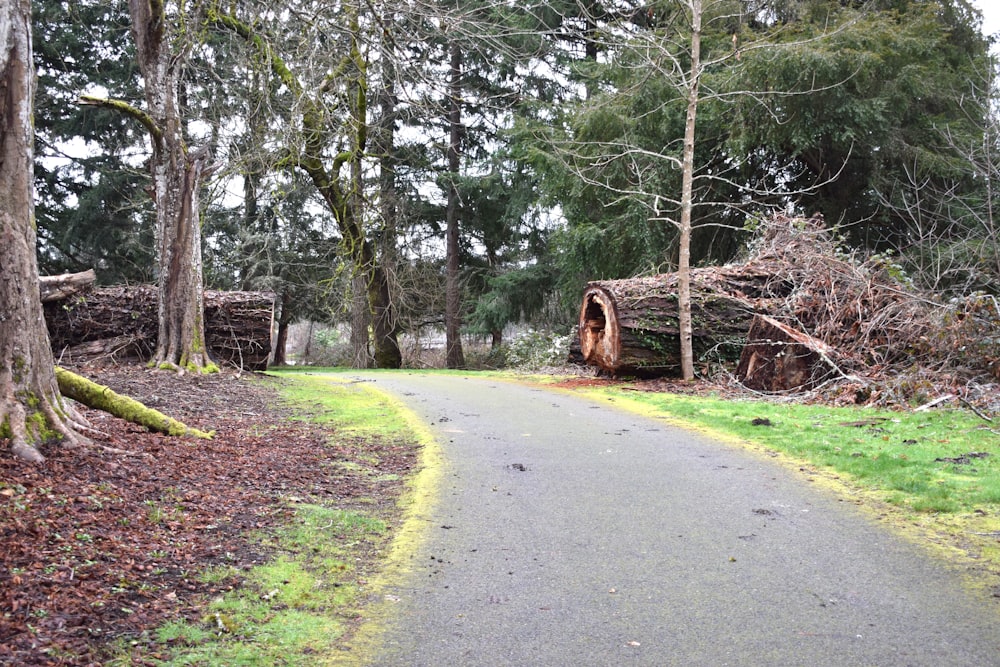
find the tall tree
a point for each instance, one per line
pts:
(948, 204)
(32, 411)
(330, 137)
(91, 205)
(796, 105)
(177, 172)
(453, 288)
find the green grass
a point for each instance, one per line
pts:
(293, 609)
(902, 455)
(352, 408)
(289, 610)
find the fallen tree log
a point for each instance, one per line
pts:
(779, 358)
(102, 398)
(631, 326)
(55, 288)
(122, 322)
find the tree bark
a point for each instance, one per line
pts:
(361, 320)
(177, 173)
(282, 322)
(454, 357)
(32, 411)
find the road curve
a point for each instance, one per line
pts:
(570, 533)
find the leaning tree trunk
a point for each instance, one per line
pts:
(177, 174)
(32, 410)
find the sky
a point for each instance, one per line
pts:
(991, 14)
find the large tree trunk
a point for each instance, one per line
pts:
(32, 410)
(779, 358)
(454, 357)
(177, 174)
(361, 321)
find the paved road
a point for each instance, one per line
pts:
(569, 533)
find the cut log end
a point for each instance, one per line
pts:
(600, 342)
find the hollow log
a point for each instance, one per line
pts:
(122, 322)
(630, 326)
(779, 358)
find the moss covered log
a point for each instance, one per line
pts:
(100, 397)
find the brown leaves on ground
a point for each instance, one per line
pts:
(105, 542)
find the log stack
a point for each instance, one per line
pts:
(122, 322)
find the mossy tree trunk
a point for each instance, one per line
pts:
(32, 410)
(99, 397)
(177, 173)
(324, 125)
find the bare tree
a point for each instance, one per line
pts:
(453, 289)
(327, 134)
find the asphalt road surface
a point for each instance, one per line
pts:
(567, 532)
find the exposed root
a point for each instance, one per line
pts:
(25, 452)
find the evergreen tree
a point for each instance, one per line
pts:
(92, 210)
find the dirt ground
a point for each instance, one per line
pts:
(102, 543)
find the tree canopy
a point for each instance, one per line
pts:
(349, 145)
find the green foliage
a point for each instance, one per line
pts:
(516, 295)
(871, 103)
(819, 106)
(92, 210)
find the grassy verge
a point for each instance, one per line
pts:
(297, 608)
(937, 472)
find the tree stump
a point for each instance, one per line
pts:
(779, 358)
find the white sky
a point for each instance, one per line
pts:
(991, 14)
